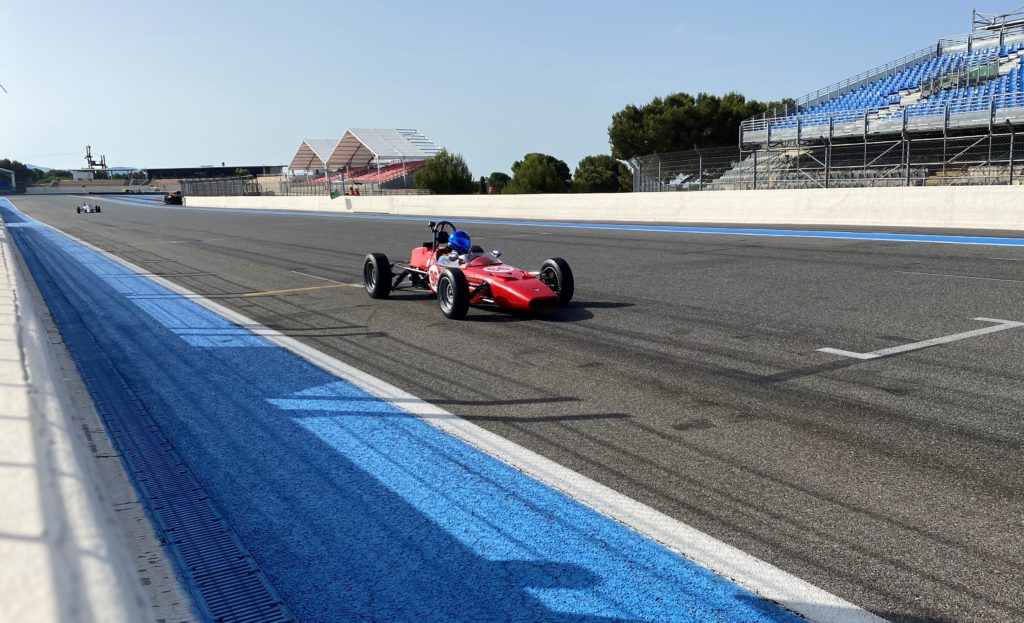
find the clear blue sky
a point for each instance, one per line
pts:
(190, 83)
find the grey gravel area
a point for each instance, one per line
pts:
(686, 375)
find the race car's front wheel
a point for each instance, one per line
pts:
(453, 294)
(377, 275)
(556, 274)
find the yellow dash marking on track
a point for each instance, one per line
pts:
(271, 292)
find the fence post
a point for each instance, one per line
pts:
(908, 160)
(828, 152)
(700, 171)
(755, 168)
(1012, 136)
(799, 145)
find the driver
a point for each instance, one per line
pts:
(459, 241)
(86, 207)
(458, 245)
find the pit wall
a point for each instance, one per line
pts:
(988, 207)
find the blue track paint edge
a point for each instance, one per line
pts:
(228, 586)
(680, 229)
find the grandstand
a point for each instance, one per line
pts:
(370, 159)
(364, 161)
(313, 154)
(938, 89)
(946, 114)
(7, 180)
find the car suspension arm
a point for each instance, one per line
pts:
(483, 288)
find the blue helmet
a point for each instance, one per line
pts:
(459, 241)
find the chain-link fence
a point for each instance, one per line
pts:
(983, 159)
(245, 186)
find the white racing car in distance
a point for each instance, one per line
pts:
(88, 208)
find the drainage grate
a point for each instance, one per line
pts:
(221, 575)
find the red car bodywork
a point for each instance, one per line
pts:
(490, 280)
(460, 280)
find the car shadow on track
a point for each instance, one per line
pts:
(576, 311)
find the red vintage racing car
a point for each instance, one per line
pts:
(461, 275)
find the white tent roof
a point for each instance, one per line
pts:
(359, 146)
(313, 153)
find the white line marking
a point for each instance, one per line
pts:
(1001, 325)
(299, 272)
(756, 575)
(911, 272)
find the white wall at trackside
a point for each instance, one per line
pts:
(73, 190)
(989, 207)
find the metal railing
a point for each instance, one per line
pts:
(867, 77)
(990, 158)
(848, 85)
(980, 111)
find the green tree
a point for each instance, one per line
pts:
(601, 174)
(445, 174)
(23, 176)
(498, 181)
(539, 173)
(242, 172)
(50, 176)
(681, 121)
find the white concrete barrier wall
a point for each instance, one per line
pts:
(74, 190)
(978, 207)
(63, 557)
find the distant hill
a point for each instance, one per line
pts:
(37, 167)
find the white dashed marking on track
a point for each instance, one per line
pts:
(1001, 325)
(299, 272)
(910, 272)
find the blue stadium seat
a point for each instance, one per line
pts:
(1005, 90)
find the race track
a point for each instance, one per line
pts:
(687, 375)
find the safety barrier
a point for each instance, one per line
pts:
(988, 207)
(73, 190)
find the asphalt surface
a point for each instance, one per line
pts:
(686, 375)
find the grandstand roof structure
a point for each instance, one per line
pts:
(313, 153)
(360, 146)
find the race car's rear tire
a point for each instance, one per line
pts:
(556, 274)
(78, 209)
(377, 275)
(453, 294)
(96, 210)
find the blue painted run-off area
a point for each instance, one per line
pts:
(352, 508)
